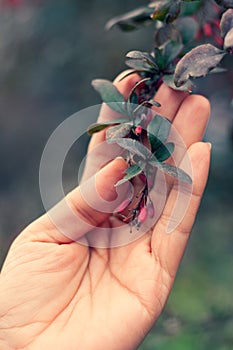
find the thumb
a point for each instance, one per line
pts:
(86, 207)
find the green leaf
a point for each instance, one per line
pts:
(158, 130)
(144, 56)
(165, 33)
(226, 23)
(164, 151)
(174, 11)
(228, 41)
(96, 127)
(132, 20)
(190, 8)
(118, 131)
(173, 171)
(138, 64)
(131, 172)
(197, 63)
(171, 50)
(169, 81)
(133, 98)
(188, 28)
(132, 101)
(159, 57)
(110, 94)
(133, 147)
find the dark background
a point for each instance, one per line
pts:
(49, 53)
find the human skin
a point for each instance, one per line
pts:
(58, 294)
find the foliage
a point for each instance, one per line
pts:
(178, 56)
(136, 128)
(180, 49)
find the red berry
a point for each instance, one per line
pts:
(138, 130)
(208, 29)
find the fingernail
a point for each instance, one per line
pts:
(120, 158)
(209, 144)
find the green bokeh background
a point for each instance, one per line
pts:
(49, 53)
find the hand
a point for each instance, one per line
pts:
(58, 294)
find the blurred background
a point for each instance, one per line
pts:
(49, 53)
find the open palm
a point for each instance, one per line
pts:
(56, 293)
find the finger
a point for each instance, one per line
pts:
(81, 210)
(168, 249)
(191, 119)
(188, 127)
(170, 101)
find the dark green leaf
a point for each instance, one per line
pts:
(131, 172)
(109, 94)
(144, 56)
(132, 101)
(138, 64)
(159, 57)
(173, 171)
(118, 131)
(190, 8)
(138, 111)
(158, 131)
(143, 109)
(96, 127)
(165, 33)
(133, 98)
(132, 20)
(228, 41)
(226, 23)
(174, 11)
(133, 146)
(188, 28)
(169, 81)
(164, 151)
(197, 63)
(171, 50)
